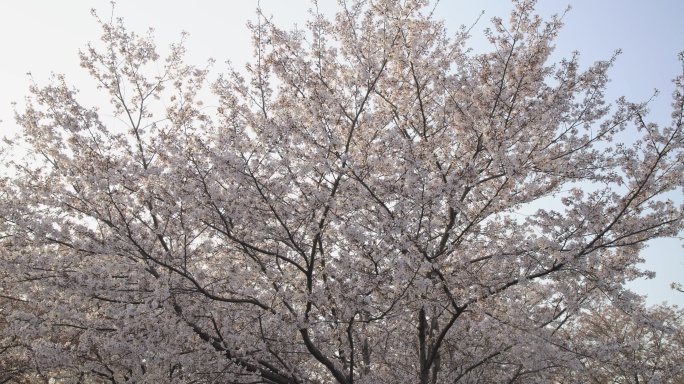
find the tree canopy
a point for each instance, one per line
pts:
(345, 210)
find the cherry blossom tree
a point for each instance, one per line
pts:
(644, 348)
(347, 209)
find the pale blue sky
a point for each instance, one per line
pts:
(44, 36)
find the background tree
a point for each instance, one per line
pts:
(345, 212)
(634, 349)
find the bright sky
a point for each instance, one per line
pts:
(44, 36)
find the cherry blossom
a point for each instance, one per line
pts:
(347, 209)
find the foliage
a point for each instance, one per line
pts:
(348, 210)
(647, 348)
